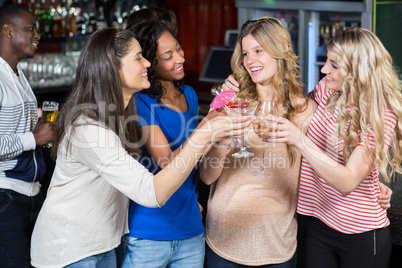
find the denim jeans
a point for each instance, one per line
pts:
(215, 261)
(102, 260)
(18, 214)
(181, 253)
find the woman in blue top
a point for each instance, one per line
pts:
(168, 114)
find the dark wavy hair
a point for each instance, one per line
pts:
(97, 91)
(147, 34)
(160, 14)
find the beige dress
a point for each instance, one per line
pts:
(251, 216)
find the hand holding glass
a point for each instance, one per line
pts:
(241, 106)
(49, 114)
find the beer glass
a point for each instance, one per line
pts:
(49, 114)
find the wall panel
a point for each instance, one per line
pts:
(201, 24)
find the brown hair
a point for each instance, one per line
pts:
(274, 38)
(97, 90)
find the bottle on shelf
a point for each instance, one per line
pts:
(92, 23)
(101, 23)
(283, 19)
(39, 14)
(72, 14)
(20, 3)
(325, 34)
(124, 15)
(293, 31)
(117, 19)
(337, 26)
(48, 21)
(31, 6)
(59, 21)
(82, 24)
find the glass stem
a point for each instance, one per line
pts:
(263, 157)
(242, 146)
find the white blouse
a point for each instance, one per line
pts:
(85, 211)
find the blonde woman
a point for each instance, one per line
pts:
(251, 219)
(354, 135)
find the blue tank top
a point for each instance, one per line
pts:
(180, 217)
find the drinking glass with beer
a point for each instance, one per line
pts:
(49, 114)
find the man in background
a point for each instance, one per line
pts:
(21, 139)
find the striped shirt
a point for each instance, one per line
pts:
(21, 161)
(358, 211)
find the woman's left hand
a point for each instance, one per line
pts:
(385, 198)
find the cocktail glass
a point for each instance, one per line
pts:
(241, 106)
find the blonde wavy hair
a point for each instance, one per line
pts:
(370, 84)
(274, 38)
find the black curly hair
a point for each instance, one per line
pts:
(155, 13)
(147, 34)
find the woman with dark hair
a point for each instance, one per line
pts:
(85, 213)
(169, 114)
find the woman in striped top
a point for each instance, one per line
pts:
(354, 135)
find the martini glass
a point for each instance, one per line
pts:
(241, 106)
(262, 125)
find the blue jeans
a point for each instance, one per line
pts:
(181, 253)
(215, 261)
(102, 260)
(18, 214)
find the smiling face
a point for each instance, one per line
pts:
(133, 71)
(259, 64)
(170, 57)
(333, 73)
(24, 35)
